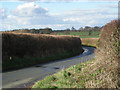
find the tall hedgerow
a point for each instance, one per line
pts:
(21, 48)
(107, 58)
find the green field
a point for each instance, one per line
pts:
(92, 36)
(82, 34)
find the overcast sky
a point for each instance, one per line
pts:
(56, 14)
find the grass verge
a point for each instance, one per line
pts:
(74, 77)
(90, 74)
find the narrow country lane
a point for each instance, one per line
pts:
(26, 77)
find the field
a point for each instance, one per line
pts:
(22, 50)
(82, 34)
(90, 41)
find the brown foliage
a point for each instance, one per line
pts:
(90, 41)
(38, 45)
(107, 55)
(109, 40)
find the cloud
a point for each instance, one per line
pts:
(31, 15)
(103, 0)
(113, 6)
(90, 17)
(19, 0)
(60, 0)
(29, 9)
(2, 14)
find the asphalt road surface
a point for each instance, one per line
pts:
(28, 76)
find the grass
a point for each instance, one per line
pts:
(90, 74)
(82, 34)
(95, 36)
(74, 77)
(90, 41)
(79, 33)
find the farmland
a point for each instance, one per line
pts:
(82, 34)
(89, 40)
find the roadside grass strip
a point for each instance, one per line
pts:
(73, 77)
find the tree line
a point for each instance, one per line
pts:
(49, 30)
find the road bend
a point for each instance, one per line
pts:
(26, 77)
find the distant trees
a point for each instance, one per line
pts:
(87, 28)
(81, 29)
(73, 28)
(41, 31)
(21, 30)
(48, 30)
(90, 32)
(67, 31)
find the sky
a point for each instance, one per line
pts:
(56, 14)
